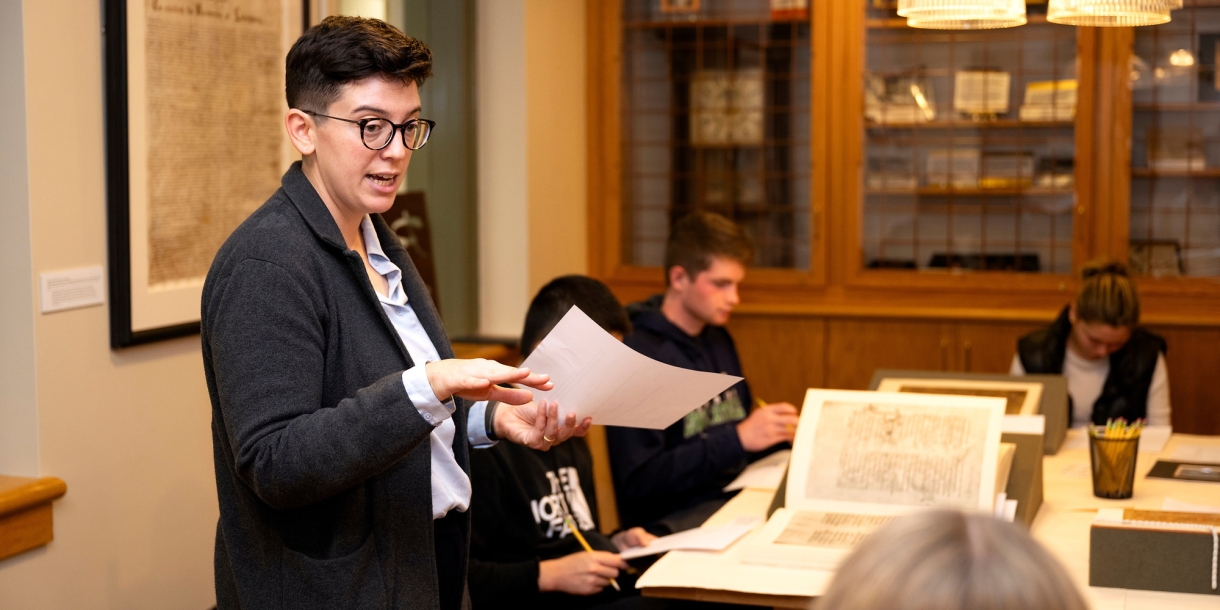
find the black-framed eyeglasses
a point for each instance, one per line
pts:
(378, 133)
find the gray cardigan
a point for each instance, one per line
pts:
(323, 469)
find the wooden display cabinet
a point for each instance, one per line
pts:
(873, 250)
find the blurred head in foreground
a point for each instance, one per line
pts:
(949, 560)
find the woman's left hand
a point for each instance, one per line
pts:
(537, 425)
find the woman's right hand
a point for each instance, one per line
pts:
(477, 380)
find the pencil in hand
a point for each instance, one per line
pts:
(585, 543)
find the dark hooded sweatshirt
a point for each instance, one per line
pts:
(660, 473)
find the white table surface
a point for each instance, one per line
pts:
(1062, 525)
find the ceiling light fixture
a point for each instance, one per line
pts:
(962, 14)
(1111, 13)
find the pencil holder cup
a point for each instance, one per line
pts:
(1113, 462)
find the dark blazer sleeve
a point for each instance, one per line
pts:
(267, 343)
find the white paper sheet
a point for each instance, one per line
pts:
(1207, 454)
(1024, 424)
(1179, 506)
(766, 473)
(1153, 438)
(596, 376)
(708, 538)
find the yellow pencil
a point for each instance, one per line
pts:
(585, 543)
(762, 403)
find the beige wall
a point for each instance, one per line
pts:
(503, 138)
(532, 139)
(129, 430)
(555, 90)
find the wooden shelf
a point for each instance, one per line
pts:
(1178, 107)
(655, 24)
(958, 124)
(25, 512)
(1143, 172)
(996, 192)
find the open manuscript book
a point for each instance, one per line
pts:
(862, 458)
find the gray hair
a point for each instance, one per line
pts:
(950, 560)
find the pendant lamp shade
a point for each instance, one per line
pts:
(962, 14)
(1111, 13)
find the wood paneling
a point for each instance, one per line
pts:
(603, 479)
(25, 512)
(989, 347)
(856, 348)
(781, 356)
(1194, 365)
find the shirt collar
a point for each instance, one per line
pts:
(381, 263)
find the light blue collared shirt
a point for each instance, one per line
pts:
(450, 484)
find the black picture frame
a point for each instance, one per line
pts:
(118, 189)
(118, 186)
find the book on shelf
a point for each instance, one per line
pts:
(1175, 149)
(727, 107)
(896, 171)
(1006, 170)
(1156, 257)
(1047, 112)
(981, 92)
(860, 459)
(789, 9)
(952, 168)
(901, 99)
(1051, 93)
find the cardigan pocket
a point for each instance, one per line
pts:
(351, 581)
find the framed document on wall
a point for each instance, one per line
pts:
(194, 143)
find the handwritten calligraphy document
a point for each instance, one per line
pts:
(214, 72)
(862, 458)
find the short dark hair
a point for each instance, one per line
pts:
(341, 50)
(1107, 295)
(556, 298)
(701, 236)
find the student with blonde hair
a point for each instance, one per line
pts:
(950, 560)
(1114, 367)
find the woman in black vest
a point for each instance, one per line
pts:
(1114, 368)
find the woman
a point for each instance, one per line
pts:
(1113, 367)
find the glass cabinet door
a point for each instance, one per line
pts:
(716, 115)
(1175, 146)
(969, 146)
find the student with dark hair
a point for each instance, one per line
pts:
(1114, 367)
(341, 424)
(670, 480)
(522, 549)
